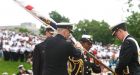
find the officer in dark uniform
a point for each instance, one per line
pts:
(58, 50)
(39, 51)
(89, 65)
(129, 52)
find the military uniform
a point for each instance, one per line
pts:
(128, 57)
(88, 65)
(38, 58)
(39, 54)
(56, 55)
(57, 51)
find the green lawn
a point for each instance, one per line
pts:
(11, 67)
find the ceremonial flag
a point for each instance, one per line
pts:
(29, 7)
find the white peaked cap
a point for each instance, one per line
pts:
(86, 36)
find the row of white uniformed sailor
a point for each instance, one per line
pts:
(15, 43)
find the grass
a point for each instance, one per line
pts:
(11, 67)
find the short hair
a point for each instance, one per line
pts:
(49, 29)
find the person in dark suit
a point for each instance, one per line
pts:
(129, 53)
(89, 65)
(57, 50)
(39, 52)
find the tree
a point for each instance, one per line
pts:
(42, 30)
(99, 30)
(134, 25)
(57, 17)
(23, 30)
(133, 20)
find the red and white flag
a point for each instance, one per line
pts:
(29, 7)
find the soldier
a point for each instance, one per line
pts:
(128, 57)
(89, 65)
(57, 50)
(49, 32)
(38, 54)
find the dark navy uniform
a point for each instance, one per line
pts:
(56, 55)
(128, 58)
(129, 53)
(38, 58)
(88, 64)
(39, 53)
(88, 67)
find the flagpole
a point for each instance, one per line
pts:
(37, 16)
(47, 22)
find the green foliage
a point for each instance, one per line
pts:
(133, 20)
(11, 67)
(57, 17)
(134, 25)
(99, 30)
(42, 30)
(23, 30)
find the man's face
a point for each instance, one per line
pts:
(118, 34)
(49, 34)
(87, 45)
(67, 33)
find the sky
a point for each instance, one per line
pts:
(111, 11)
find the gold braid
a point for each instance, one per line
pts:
(75, 62)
